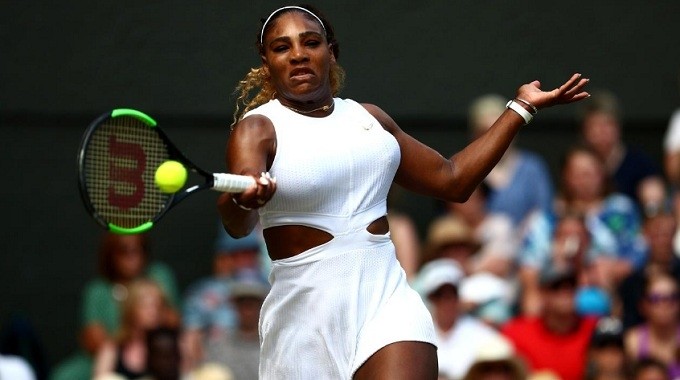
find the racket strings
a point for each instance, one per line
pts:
(120, 164)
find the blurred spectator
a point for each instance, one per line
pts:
(15, 368)
(495, 359)
(494, 231)
(142, 312)
(208, 312)
(451, 237)
(569, 247)
(661, 257)
(606, 356)
(458, 336)
(558, 339)
(487, 297)
(608, 215)
(122, 260)
(612, 220)
(659, 336)
(520, 183)
(650, 369)
(163, 358)
(600, 120)
(404, 235)
(656, 195)
(239, 349)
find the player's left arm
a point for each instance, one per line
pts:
(425, 171)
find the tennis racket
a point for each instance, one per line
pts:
(117, 160)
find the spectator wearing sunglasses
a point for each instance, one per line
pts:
(659, 336)
(658, 230)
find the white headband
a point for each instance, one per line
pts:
(289, 7)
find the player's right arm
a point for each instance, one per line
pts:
(250, 151)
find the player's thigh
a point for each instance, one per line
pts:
(401, 361)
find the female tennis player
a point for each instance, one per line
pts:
(340, 306)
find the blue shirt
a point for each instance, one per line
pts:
(529, 189)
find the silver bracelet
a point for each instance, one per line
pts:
(242, 207)
(529, 104)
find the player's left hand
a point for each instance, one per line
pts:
(571, 91)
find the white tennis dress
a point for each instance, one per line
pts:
(331, 307)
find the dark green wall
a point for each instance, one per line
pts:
(63, 63)
(415, 58)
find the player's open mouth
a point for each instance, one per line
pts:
(301, 74)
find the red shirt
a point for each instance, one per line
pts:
(545, 350)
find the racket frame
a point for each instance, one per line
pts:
(174, 154)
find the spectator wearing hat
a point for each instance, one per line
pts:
(495, 359)
(208, 311)
(458, 335)
(451, 237)
(487, 297)
(558, 338)
(239, 350)
(606, 356)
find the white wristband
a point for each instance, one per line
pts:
(526, 115)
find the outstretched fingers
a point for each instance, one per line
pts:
(572, 90)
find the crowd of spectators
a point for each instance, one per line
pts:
(576, 277)
(576, 281)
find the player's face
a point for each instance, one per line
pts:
(298, 59)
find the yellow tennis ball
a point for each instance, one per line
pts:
(170, 176)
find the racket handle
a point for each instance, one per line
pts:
(231, 183)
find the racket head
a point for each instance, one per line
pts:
(118, 156)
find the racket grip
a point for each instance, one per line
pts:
(231, 183)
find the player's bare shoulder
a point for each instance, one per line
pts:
(385, 120)
(253, 133)
(253, 126)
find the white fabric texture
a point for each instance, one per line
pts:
(330, 308)
(333, 173)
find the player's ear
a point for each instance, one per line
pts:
(330, 50)
(265, 65)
